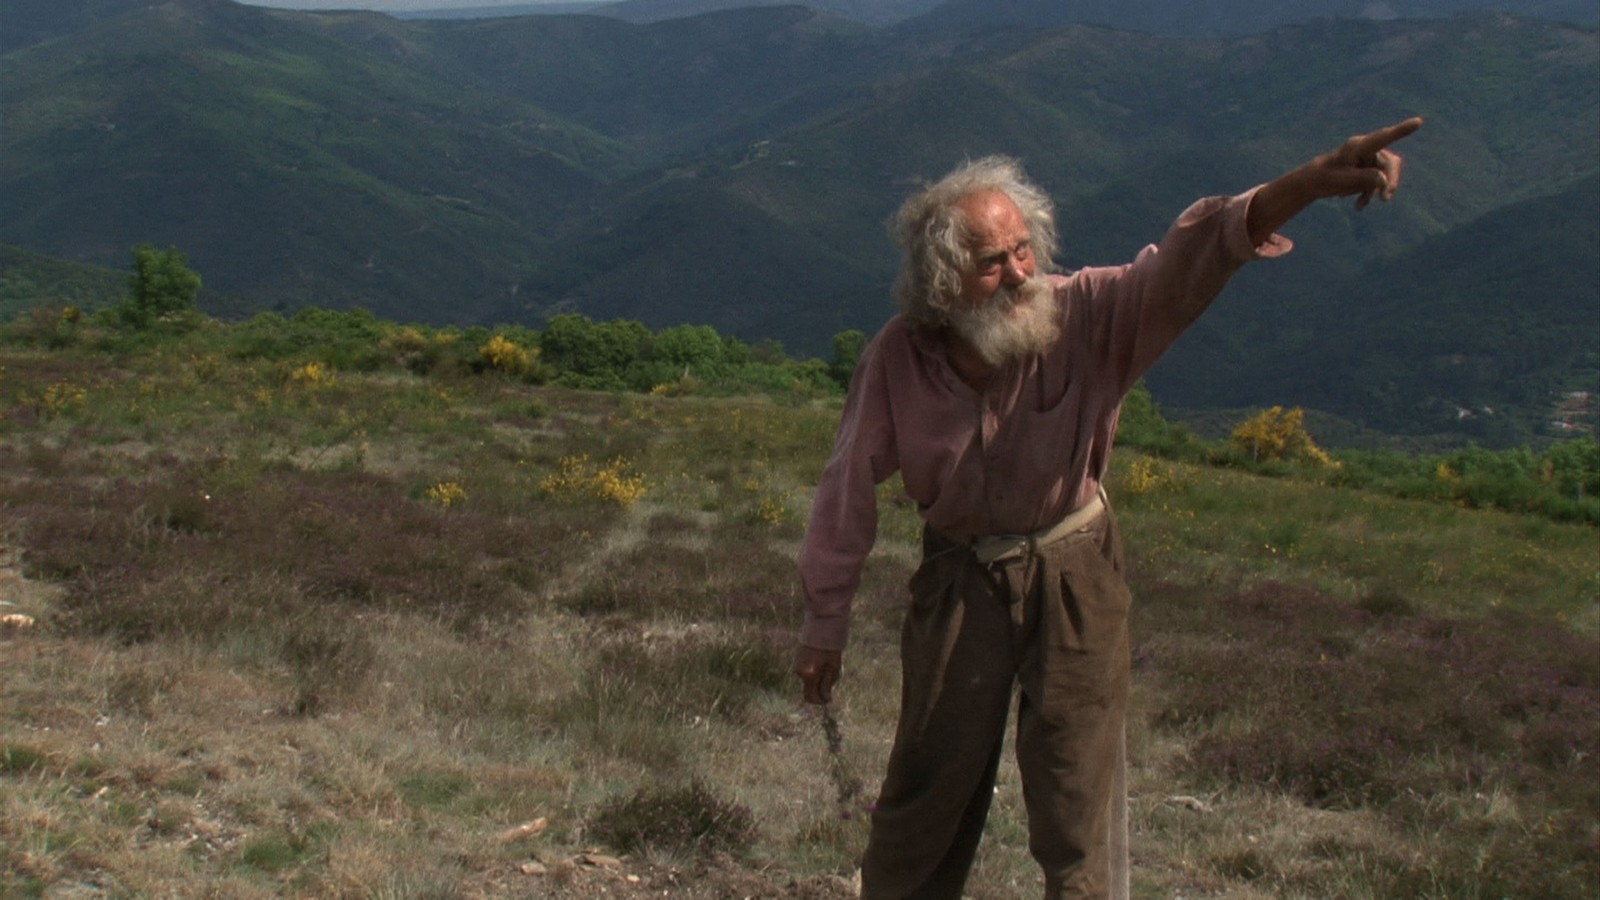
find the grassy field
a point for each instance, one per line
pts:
(304, 632)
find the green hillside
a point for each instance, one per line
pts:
(292, 168)
(673, 89)
(1119, 183)
(735, 169)
(672, 243)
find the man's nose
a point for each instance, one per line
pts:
(1015, 271)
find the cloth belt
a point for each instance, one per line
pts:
(996, 548)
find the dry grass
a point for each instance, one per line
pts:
(273, 657)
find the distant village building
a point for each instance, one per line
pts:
(1575, 412)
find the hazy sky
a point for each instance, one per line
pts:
(394, 5)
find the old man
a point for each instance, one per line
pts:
(995, 394)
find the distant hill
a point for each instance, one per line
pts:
(28, 22)
(735, 169)
(1423, 342)
(29, 280)
(868, 12)
(1179, 18)
(291, 165)
(1219, 18)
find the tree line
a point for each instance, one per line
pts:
(1561, 481)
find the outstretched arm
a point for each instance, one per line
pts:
(1363, 165)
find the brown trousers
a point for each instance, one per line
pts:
(1055, 623)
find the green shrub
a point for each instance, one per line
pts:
(161, 289)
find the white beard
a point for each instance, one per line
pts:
(1016, 322)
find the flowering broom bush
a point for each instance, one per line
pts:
(577, 478)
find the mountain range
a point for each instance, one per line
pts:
(735, 169)
(1180, 18)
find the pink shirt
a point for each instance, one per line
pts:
(1036, 442)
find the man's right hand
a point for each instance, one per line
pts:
(818, 671)
(1363, 165)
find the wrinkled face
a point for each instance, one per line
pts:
(1006, 310)
(1000, 247)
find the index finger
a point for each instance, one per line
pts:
(1371, 143)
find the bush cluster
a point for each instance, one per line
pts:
(577, 478)
(690, 819)
(1561, 482)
